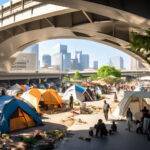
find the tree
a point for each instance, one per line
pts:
(140, 44)
(139, 41)
(77, 76)
(107, 71)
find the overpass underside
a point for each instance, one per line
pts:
(67, 19)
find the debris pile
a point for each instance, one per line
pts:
(37, 141)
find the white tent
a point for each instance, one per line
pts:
(130, 100)
(145, 78)
(78, 92)
(13, 90)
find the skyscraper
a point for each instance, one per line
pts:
(84, 61)
(25, 62)
(46, 59)
(61, 59)
(95, 64)
(136, 65)
(66, 62)
(34, 49)
(117, 62)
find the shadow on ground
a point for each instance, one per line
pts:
(123, 140)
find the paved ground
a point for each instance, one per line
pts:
(122, 140)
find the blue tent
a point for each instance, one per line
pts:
(16, 114)
(80, 88)
(78, 92)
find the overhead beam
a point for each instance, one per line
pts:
(50, 23)
(113, 13)
(87, 16)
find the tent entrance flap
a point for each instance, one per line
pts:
(20, 120)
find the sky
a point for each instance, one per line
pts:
(3, 1)
(96, 51)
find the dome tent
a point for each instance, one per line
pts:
(78, 92)
(135, 100)
(48, 97)
(13, 90)
(16, 115)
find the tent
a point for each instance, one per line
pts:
(48, 97)
(145, 78)
(134, 100)
(16, 115)
(13, 90)
(25, 87)
(51, 97)
(78, 92)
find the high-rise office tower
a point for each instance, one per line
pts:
(117, 62)
(95, 64)
(84, 62)
(46, 59)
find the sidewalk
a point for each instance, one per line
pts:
(123, 140)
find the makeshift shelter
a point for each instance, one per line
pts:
(16, 114)
(78, 92)
(48, 97)
(13, 90)
(134, 100)
(145, 78)
(25, 87)
(51, 97)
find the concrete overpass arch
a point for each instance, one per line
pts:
(31, 22)
(14, 44)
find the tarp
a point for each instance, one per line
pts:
(126, 102)
(13, 90)
(145, 78)
(78, 92)
(16, 114)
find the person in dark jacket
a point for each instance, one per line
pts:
(101, 128)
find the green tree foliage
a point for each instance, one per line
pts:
(77, 76)
(139, 41)
(107, 71)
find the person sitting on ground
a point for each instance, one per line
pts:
(113, 128)
(139, 127)
(101, 128)
(91, 133)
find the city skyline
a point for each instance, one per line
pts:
(97, 51)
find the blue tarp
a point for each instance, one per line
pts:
(8, 105)
(79, 88)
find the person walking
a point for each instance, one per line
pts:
(106, 108)
(129, 117)
(71, 102)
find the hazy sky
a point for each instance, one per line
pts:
(96, 51)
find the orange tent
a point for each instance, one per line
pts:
(36, 93)
(51, 97)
